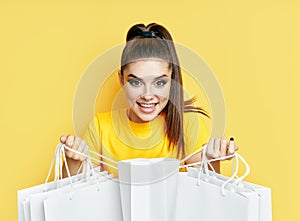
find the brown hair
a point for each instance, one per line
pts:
(154, 41)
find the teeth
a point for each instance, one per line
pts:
(147, 105)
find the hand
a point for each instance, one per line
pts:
(75, 143)
(220, 147)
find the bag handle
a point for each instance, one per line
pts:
(60, 157)
(205, 163)
(56, 163)
(87, 156)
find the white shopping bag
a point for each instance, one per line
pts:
(100, 201)
(265, 204)
(30, 200)
(24, 194)
(148, 188)
(36, 201)
(265, 195)
(203, 200)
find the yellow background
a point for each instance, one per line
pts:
(252, 46)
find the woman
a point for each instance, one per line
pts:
(158, 122)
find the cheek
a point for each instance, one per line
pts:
(163, 93)
(132, 93)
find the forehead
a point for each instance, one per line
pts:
(148, 67)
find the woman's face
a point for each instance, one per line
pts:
(147, 86)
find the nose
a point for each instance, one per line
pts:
(147, 93)
(147, 97)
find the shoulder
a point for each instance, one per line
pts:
(194, 123)
(103, 116)
(109, 117)
(193, 118)
(196, 132)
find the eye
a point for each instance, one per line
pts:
(135, 82)
(160, 83)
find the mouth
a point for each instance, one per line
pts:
(147, 105)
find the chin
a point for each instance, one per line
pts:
(139, 117)
(147, 118)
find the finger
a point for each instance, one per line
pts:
(81, 144)
(236, 148)
(63, 139)
(75, 156)
(85, 150)
(77, 142)
(78, 145)
(81, 149)
(69, 154)
(217, 147)
(70, 141)
(210, 148)
(231, 148)
(223, 150)
(81, 158)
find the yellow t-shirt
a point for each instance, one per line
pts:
(114, 136)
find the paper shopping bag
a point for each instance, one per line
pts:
(30, 200)
(93, 203)
(265, 196)
(148, 188)
(23, 195)
(36, 201)
(202, 200)
(264, 193)
(56, 166)
(26, 210)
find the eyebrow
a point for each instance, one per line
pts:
(162, 76)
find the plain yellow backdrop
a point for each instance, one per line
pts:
(252, 47)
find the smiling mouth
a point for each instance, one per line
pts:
(148, 105)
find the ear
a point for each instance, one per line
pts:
(121, 78)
